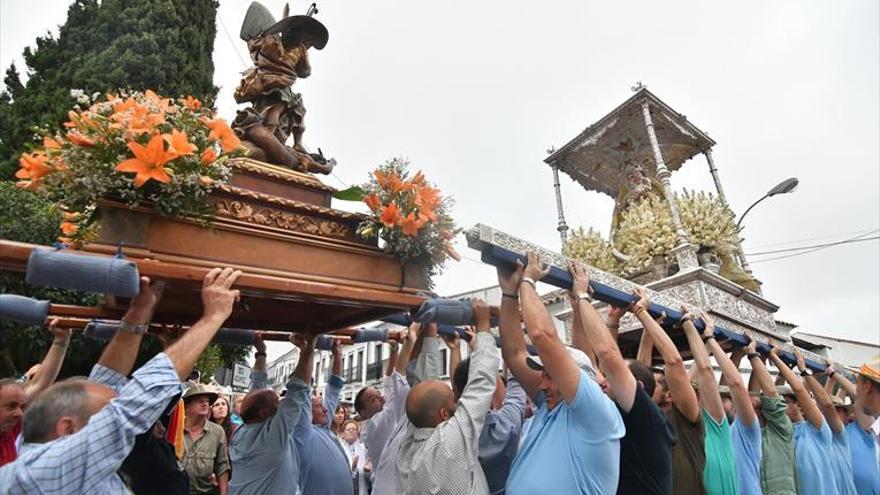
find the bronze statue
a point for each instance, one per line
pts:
(279, 51)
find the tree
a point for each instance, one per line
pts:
(163, 45)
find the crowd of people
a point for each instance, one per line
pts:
(534, 416)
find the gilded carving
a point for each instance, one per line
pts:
(280, 219)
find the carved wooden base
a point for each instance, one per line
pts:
(306, 268)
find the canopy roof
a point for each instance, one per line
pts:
(596, 157)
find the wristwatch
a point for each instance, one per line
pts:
(805, 372)
(584, 296)
(130, 328)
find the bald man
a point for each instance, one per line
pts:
(439, 451)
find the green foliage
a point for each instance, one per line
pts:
(26, 217)
(163, 45)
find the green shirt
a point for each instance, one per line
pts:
(777, 435)
(719, 476)
(204, 456)
(688, 455)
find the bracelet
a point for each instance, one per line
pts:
(529, 281)
(132, 328)
(61, 344)
(707, 337)
(515, 297)
(831, 372)
(752, 355)
(259, 354)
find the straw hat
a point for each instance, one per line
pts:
(197, 389)
(869, 370)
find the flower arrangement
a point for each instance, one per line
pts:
(135, 147)
(589, 246)
(646, 230)
(409, 215)
(708, 223)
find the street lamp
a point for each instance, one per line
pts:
(784, 187)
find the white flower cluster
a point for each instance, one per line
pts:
(707, 221)
(589, 246)
(81, 97)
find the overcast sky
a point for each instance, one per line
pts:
(473, 93)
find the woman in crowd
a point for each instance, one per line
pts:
(339, 416)
(220, 415)
(350, 439)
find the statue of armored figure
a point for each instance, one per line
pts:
(279, 51)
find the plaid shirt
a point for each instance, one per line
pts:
(444, 459)
(86, 461)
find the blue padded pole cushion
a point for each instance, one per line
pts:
(104, 275)
(448, 311)
(401, 319)
(234, 336)
(324, 343)
(23, 309)
(101, 330)
(495, 255)
(371, 335)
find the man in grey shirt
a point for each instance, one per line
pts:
(438, 453)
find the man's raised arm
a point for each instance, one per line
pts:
(704, 375)
(683, 395)
(760, 376)
(542, 332)
(513, 344)
(49, 367)
(810, 409)
(122, 350)
(217, 300)
(616, 369)
(738, 391)
(823, 399)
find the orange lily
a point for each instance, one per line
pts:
(162, 103)
(385, 179)
(50, 143)
(149, 162)
(69, 228)
(410, 225)
(208, 156)
(34, 166)
(220, 131)
(69, 216)
(79, 120)
(373, 202)
(427, 199)
(390, 215)
(80, 139)
(192, 103)
(178, 144)
(418, 179)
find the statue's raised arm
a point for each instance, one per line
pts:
(279, 51)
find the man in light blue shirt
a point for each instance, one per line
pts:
(262, 451)
(324, 466)
(573, 446)
(812, 436)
